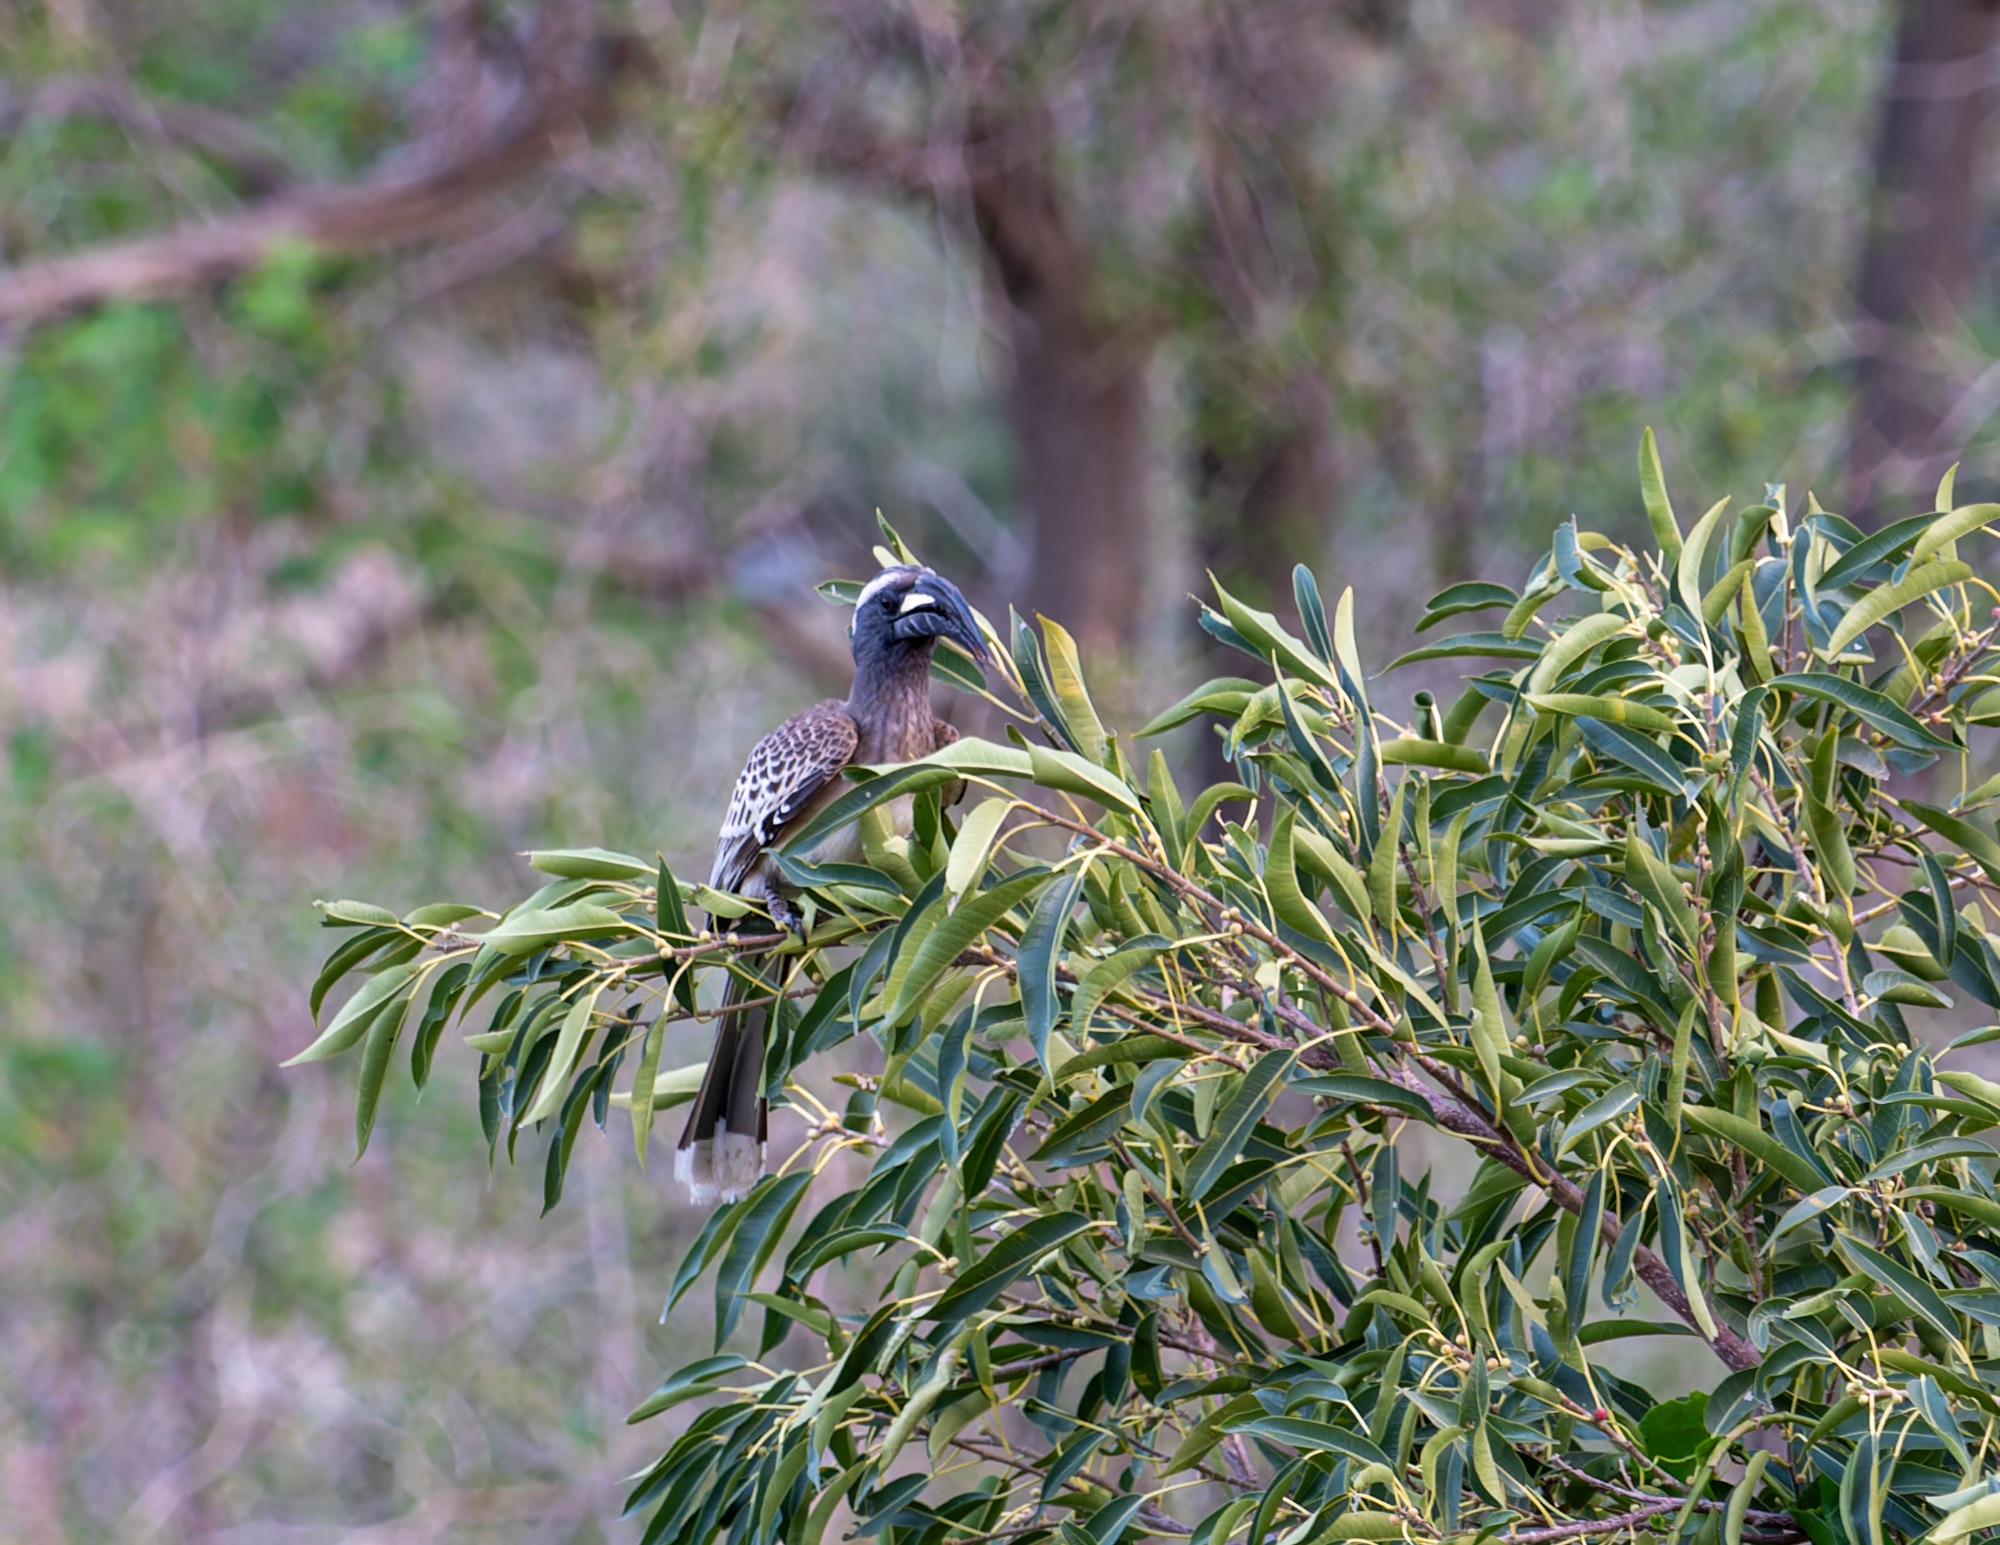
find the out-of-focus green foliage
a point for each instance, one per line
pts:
(1645, 918)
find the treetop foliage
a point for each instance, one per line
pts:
(1646, 918)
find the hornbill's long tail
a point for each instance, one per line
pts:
(721, 1151)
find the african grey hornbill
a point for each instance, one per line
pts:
(793, 773)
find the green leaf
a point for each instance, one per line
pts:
(383, 1029)
(644, 1098)
(1087, 1128)
(1648, 874)
(1675, 1432)
(1947, 529)
(1963, 1522)
(697, 1378)
(908, 778)
(1066, 681)
(1756, 1142)
(1235, 1121)
(973, 846)
(347, 957)
(1635, 751)
(1408, 751)
(1962, 834)
(1723, 593)
(1582, 1253)
(1893, 539)
(1038, 956)
(527, 932)
(1891, 986)
(1653, 491)
(1067, 771)
(1983, 1210)
(674, 1087)
(1271, 638)
(1617, 710)
(950, 937)
(1097, 984)
(439, 914)
(1310, 848)
(1498, 646)
(1945, 908)
(1489, 1024)
(1609, 1106)
(355, 1015)
(1364, 1089)
(1865, 704)
(1688, 565)
(1289, 903)
(1878, 604)
(1312, 612)
(751, 1243)
(1473, 596)
(1917, 1294)
(1576, 641)
(1225, 695)
(569, 1045)
(356, 913)
(1314, 1438)
(590, 864)
(1006, 1263)
(713, 1236)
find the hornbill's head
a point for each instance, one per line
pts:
(906, 610)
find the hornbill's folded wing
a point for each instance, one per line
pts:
(786, 769)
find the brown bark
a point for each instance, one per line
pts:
(1264, 474)
(1076, 400)
(1266, 504)
(1919, 262)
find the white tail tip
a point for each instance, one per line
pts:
(719, 1168)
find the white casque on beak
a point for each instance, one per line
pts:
(916, 601)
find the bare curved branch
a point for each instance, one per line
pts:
(560, 91)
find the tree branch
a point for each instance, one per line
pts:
(561, 90)
(240, 146)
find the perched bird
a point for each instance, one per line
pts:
(793, 773)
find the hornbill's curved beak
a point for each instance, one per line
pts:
(935, 608)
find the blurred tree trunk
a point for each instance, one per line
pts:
(1919, 262)
(1076, 401)
(1266, 500)
(1263, 404)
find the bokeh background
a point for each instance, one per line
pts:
(421, 426)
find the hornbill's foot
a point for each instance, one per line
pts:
(786, 916)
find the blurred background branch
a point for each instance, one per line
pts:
(472, 150)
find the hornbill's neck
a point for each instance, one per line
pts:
(891, 701)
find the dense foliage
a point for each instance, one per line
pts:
(1643, 918)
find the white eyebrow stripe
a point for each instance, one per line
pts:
(874, 586)
(915, 601)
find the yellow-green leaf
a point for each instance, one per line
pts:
(1659, 508)
(1695, 549)
(1582, 636)
(1066, 681)
(1293, 907)
(1877, 604)
(1409, 751)
(1947, 529)
(1618, 710)
(973, 847)
(569, 1040)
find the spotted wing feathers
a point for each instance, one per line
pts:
(785, 770)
